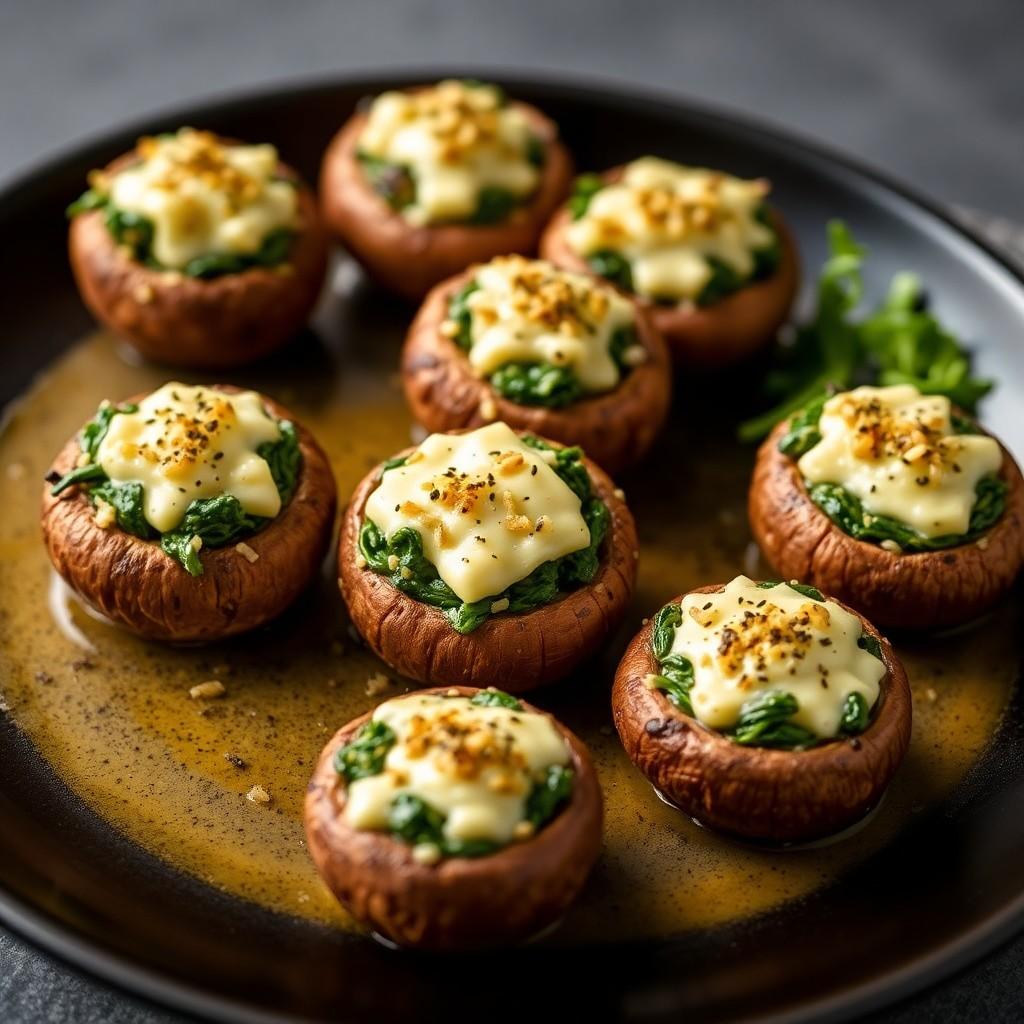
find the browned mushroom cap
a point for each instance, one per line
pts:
(919, 590)
(459, 903)
(134, 583)
(186, 321)
(705, 337)
(517, 652)
(409, 259)
(754, 792)
(615, 429)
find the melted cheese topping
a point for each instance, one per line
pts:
(746, 640)
(188, 442)
(456, 140)
(476, 765)
(895, 450)
(529, 311)
(489, 508)
(667, 220)
(204, 197)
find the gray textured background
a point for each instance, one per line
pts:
(931, 91)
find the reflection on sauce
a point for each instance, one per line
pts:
(118, 724)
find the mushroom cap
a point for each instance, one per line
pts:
(514, 652)
(210, 324)
(133, 583)
(921, 590)
(458, 903)
(705, 337)
(615, 428)
(758, 793)
(411, 259)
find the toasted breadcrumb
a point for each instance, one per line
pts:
(246, 552)
(207, 691)
(258, 795)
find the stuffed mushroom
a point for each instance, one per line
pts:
(198, 251)
(715, 265)
(454, 819)
(894, 502)
(765, 710)
(191, 513)
(425, 181)
(542, 349)
(487, 554)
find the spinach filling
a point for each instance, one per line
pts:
(765, 719)
(135, 232)
(539, 383)
(414, 821)
(415, 575)
(848, 513)
(396, 183)
(217, 521)
(616, 268)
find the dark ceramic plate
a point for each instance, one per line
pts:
(946, 889)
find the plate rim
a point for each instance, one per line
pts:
(43, 931)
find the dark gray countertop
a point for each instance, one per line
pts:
(930, 90)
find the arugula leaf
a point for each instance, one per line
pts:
(495, 699)
(901, 342)
(364, 754)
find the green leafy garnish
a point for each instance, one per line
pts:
(765, 722)
(532, 383)
(421, 581)
(869, 643)
(364, 755)
(848, 513)
(584, 188)
(766, 719)
(135, 232)
(127, 500)
(537, 384)
(392, 182)
(612, 266)
(804, 589)
(495, 699)
(901, 342)
(417, 823)
(216, 522)
(549, 794)
(803, 433)
(855, 715)
(494, 204)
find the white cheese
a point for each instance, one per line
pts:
(476, 765)
(895, 450)
(203, 197)
(489, 508)
(667, 220)
(745, 640)
(189, 442)
(529, 311)
(456, 140)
